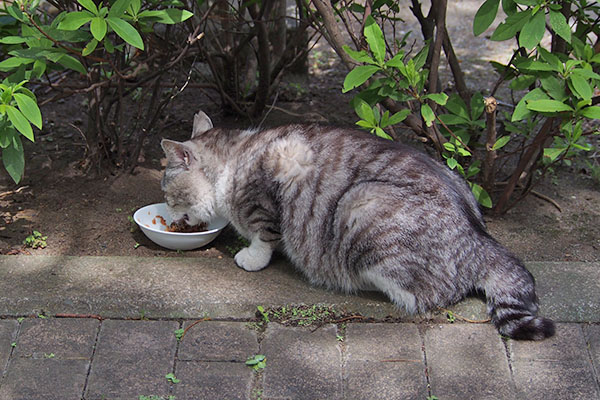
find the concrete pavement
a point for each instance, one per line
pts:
(111, 327)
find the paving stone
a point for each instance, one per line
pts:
(384, 361)
(69, 338)
(467, 361)
(301, 364)
(213, 380)
(555, 368)
(44, 379)
(8, 332)
(218, 341)
(132, 359)
(592, 333)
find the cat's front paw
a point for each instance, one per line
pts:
(252, 259)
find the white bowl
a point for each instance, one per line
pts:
(149, 221)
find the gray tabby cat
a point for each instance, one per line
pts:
(352, 212)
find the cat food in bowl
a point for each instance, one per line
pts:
(155, 222)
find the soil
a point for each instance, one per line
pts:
(92, 216)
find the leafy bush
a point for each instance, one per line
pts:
(546, 125)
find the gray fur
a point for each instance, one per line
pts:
(352, 212)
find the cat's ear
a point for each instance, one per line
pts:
(201, 124)
(178, 153)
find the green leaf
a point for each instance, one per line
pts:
(29, 108)
(500, 143)
(439, 98)
(451, 119)
(592, 112)
(457, 106)
(364, 111)
(39, 67)
(553, 153)
(449, 146)
(535, 65)
(126, 32)
(421, 57)
(586, 73)
(477, 106)
(452, 163)
(549, 106)
(427, 114)
(509, 28)
(168, 16)
(98, 28)
(481, 195)
(14, 159)
(13, 40)
(375, 39)
(554, 87)
(399, 117)
(90, 47)
(521, 111)
(533, 31)
(20, 122)
(75, 20)
(72, 63)
(485, 16)
(14, 62)
(581, 86)
(118, 8)
(171, 378)
(559, 24)
(360, 56)
(358, 76)
(89, 5)
(396, 61)
(381, 133)
(509, 7)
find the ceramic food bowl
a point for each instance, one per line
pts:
(154, 219)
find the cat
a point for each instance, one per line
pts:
(352, 212)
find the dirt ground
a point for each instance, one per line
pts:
(84, 216)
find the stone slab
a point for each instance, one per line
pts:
(44, 379)
(384, 361)
(213, 380)
(217, 341)
(159, 287)
(467, 361)
(8, 334)
(302, 364)
(555, 368)
(592, 334)
(64, 339)
(132, 359)
(568, 291)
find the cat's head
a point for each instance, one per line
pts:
(189, 193)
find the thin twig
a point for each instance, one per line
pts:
(546, 198)
(192, 325)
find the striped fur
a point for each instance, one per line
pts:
(352, 212)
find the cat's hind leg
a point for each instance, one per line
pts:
(256, 256)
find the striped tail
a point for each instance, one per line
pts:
(512, 302)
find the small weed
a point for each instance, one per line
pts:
(51, 355)
(257, 394)
(265, 314)
(118, 209)
(20, 319)
(172, 378)
(155, 397)
(432, 398)
(257, 362)
(179, 333)
(36, 240)
(42, 316)
(450, 317)
(132, 225)
(143, 315)
(239, 244)
(13, 344)
(136, 245)
(299, 315)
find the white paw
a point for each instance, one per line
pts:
(252, 259)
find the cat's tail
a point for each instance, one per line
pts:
(511, 299)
